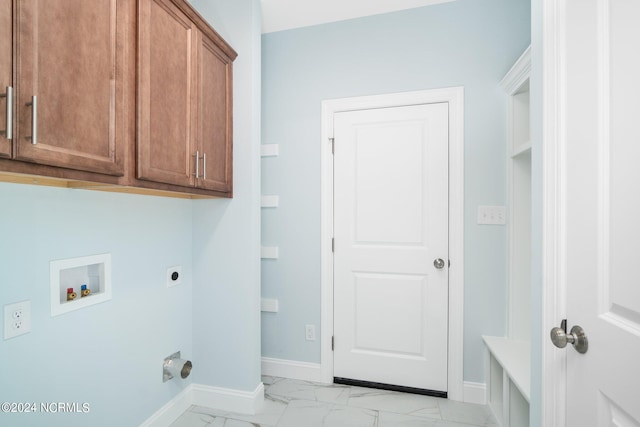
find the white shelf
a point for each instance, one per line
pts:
(508, 360)
(515, 358)
(521, 149)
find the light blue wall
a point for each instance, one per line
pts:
(470, 43)
(108, 355)
(226, 233)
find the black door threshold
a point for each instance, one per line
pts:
(403, 389)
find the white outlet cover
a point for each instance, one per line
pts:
(310, 332)
(17, 319)
(170, 281)
(492, 215)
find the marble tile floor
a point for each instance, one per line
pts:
(293, 403)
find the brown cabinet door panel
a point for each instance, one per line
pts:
(215, 122)
(68, 56)
(6, 71)
(166, 85)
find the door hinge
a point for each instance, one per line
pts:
(332, 343)
(333, 145)
(333, 244)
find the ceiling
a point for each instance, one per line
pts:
(280, 15)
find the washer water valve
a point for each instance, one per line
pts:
(175, 366)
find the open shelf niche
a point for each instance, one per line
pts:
(509, 358)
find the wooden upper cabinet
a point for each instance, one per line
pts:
(6, 73)
(215, 120)
(70, 61)
(184, 134)
(166, 94)
(215, 117)
(112, 93)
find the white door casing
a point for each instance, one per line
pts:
(591, 229)
(455, 99)
(390, 224)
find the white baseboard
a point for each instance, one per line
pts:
(227, 400)
(171, 410)
(475, 393)
(305, 371)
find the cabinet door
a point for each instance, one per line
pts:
(215, 122)
(70, 56)
(166, 101)
(6, 71)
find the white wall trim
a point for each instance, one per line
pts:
(227, 400)
(518, 74)
(305, 371)
(171, 410)
(553, 399)
(475, 393)
(455, 97)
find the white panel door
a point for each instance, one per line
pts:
(390, 224)
(602, 210)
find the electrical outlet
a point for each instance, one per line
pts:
(17, 319)
(310, 332)
(174, 276)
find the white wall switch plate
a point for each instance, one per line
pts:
(174, 276)
(492, 215)
(17, 319)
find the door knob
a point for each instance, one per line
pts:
(577, 337)
(438, 263)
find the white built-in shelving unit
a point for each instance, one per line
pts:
(509, 358)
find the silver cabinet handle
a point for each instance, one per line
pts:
(9, 95)
(204, 165)
(34, 119)
(197, 155)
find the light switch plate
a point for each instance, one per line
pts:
(492, 215)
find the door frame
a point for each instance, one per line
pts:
(551, 56)
(455, 97)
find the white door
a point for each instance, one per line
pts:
(600, 187)
(390, 225)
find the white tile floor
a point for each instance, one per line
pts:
(292, 403)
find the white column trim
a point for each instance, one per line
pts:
(553, 398)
